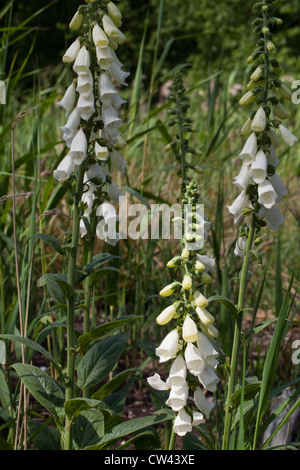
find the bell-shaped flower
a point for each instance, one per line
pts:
(287, 136)
(104, 57)
(272, 216)
(194, 360)
(240, 247)
(210, 330)
(68, 100)
(110, 118)
(239, 204)
(88, 199)
(198, 419)
(202, 403)
(267, 196)
(112, 31)
(281, 112)
(178, 373)
(99, 37)
(71, 127)
(118, 74)
(114, 13)
(178, 397)
(278, 186)
(72, 52)
(83, 61)
(64, 169)
(86, 106)
(258, 169)
(78, 147)
(117, 161)
(101, 153)
(169, 346)
(205, 317)
(259, 121)
(182, 423)
(95, 175)
(242, 179)
(106, 89)
(166, 315)
(200, 300)
(205, 346)
(85, 82)
(209, 379)
(189, 330)
(250, 149)
(114, 192)
(157, 383)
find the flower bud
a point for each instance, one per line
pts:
(248, 98)
(166, 315)
(206, 278)
(187, 282)
(270, 46)
(204, 316)
(76, 21)
(189, 330)
(114, 13)
(256, 75)
(200, 300)
(174, 262)
(168, 290)
(285, 91)
(259, 121)
(281, 112)
(199, 266)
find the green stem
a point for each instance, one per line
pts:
(237, 334)
(71, 301)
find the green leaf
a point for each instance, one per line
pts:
(88, 429)
(75, 406)
(98, 260)
(260, 326)
(103, 330)
(130, 427)
(58, 286)
(148, 348)
(191, 442)
(251, 388)
(32, 344)
(100, 360)
(44, 389)
(51, 241)
(44, 437)
(225, 301)
(4, 445)
(113, 384)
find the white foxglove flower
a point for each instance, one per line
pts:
(178, 397)
(104, 57)
(169, 347)
(112, 31)
(64, 169)
(209, 263)
(68, 100)
(279, 187)
(85, 82)
(182, 423)
(200, 300)
(157, 383)
(258, 169)
(266, 194)
(114, 192)
(202, 403)
(110, 119)
(78, 147)
(250, 149)
(281, 112)
(189, 330)
(259, 121)
(117, 161)
(242, 179)
(83, 61)
(2, 92)
(114, 13)
(101, 152)
(86, 106)
(209, 379)
(166, 315)
(106, 89)
(240, 247)
(205, 346)
(205, 317)
(99, 37)
(287, 136)
(178, 373)
(198, 419)
(194, 360)
(118, 74)
(211, 331)
(71, 127)
(72, 52)
(272, 216)
(239, 204)
(95, 172)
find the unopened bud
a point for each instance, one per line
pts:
(76, 21)
(187, 282)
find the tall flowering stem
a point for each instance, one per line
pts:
(93, 140)
(261, 187)
(190, 343)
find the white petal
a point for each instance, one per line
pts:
(204, 405)
(68, 100)
(169, 346)
(64, 169)
(194, 359)
(79, 147)
(82, 62)
(157, 383)
(266, 194)
(258, 169)
(72, 52)
(178, 397)
(250, 148)
(177, 372)
(182, 423)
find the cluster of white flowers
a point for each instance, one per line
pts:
(92, 104)
(259, 164)
(190, 343)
